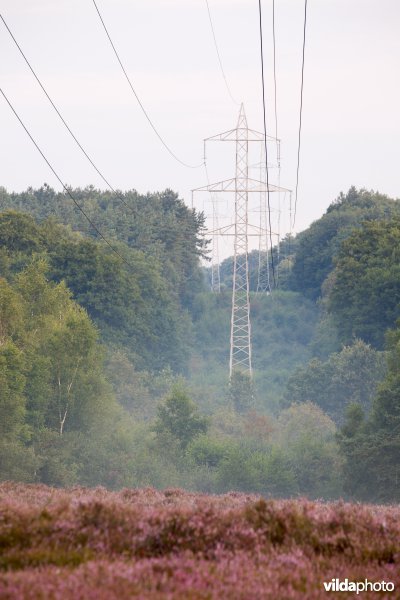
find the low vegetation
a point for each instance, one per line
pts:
(150, 544)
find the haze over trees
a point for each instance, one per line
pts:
(114, 372)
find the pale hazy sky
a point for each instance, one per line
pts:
(351, 122)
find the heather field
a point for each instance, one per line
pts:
(143, 543)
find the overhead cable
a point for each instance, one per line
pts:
(56, 109)
(96, 229)
(275, 85)
(301, 112)
(265, 139)
(138, 99)
(278, 146)
(219, 56)
(63, 120)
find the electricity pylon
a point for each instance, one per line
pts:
(215, 269)
(240, 341)
(241, 185)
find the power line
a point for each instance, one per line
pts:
(275, 85)
(219, 56)
(63, 120)
(97, 230)
(301, 111)
(115, 192)
(278, 150)
(265, 140)
(138, 99)
(215, 265)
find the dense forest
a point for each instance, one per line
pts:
(113, 360)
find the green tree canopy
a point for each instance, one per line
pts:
(178, 417)
(241, 391)
(365, 297)
(347, 377)
(144, 306)
(320, 243)
(307, 435)
(158, 224)
(371, 447)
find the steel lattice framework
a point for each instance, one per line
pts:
(241, 185)
(240, 342)
(263, 275)
(215, 270)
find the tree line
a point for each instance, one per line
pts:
(117, 375)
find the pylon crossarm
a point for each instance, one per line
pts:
(236, 183)
(207, 234)
(235, 135)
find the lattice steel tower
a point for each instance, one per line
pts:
(240, 342)
(241, 185)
